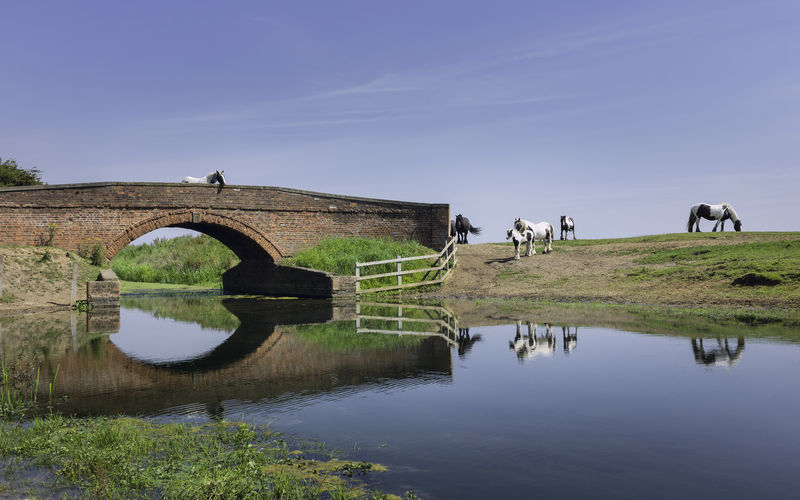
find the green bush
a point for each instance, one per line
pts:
(98, 256)
(339, 256)
(183, 260)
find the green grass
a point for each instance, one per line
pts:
(207, 311)
(339, 256)
(134, 458)
(766, 264)
(183, 260)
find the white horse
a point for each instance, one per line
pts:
(519, 238)
(719, 213)
(211, 178)
(543, 231)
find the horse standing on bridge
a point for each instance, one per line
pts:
(463, 227)
(211, 178)
(719, 213)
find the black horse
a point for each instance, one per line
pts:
(567, 225)
(452, 228)
(463, 227)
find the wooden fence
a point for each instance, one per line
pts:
(406, 319)
(445, 261)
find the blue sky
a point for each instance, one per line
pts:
(619, 113)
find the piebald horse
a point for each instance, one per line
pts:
(211, 178)
(567, 225)
(520, 238)
(719, 213)
(543, 231)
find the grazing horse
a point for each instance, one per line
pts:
(542, 231)
(520, 238)
(452, 228)
(719, 213)
(567, 225)
(212, 178)
(463, 227)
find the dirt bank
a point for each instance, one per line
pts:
(40, 279)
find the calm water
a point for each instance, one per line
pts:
(504, 411)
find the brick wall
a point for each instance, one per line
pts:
(254, 221)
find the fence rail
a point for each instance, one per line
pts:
(435, 321)
(445, 261)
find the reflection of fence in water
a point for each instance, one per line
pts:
(406, 319)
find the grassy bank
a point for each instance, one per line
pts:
(185, 260)
(134, 458)
(339, 256)
(748, 271)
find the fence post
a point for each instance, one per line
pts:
(400, 318)
(1, 274)
(399, 276)
(358, 276)
(358, 311)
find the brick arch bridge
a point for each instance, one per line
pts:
(260, 224)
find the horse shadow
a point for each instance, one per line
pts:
(500, 260)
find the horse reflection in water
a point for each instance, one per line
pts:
(533, 345)
(465, 341)
(569, 340)
(720, 355)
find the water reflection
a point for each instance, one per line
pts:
(569, 339)
(719, 355)
(382, 377)
(465, 341)
(200, 352)
(542, 342)
(278, 350)
(535, 344)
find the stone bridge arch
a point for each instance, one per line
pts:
(261, 224)
(247, 242)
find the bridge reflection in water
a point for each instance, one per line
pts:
(275, 349)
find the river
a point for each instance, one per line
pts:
(490, 408)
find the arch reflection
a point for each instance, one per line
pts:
(279, 348)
